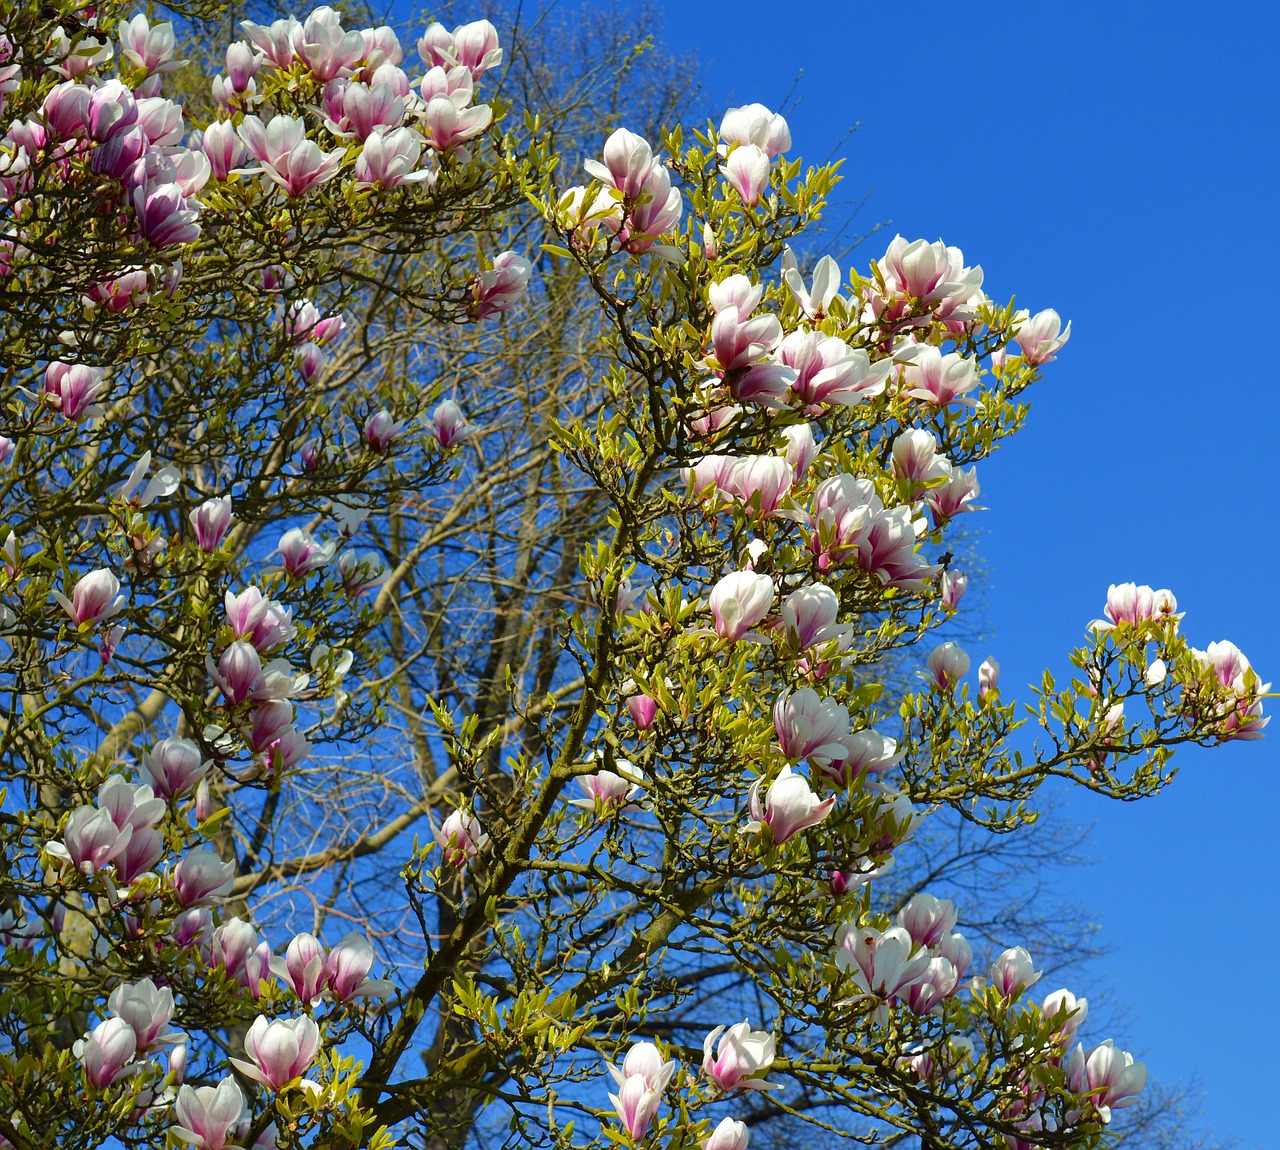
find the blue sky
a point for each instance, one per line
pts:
(1117, 162)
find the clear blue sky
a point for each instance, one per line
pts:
(1118, 162)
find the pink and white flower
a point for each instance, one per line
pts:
(739, 601)
(789, 806)
(281, 1050)
(741, 1060)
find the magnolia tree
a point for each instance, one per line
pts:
(323, 529)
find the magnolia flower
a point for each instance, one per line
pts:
(937, 983)
(730, 1134)
(472, 46)
(347, 969)
(303, 968)
(916, 462)
(72, 388)
(1129, 603)
(789, 806)
(147, 1009)
(94, 598)
(808, 616)
(809, 726)
(381, 430)
(956, 950)
(948, 664)
(746, 170)
(636, 1103)
(150, 47)
(929, 275)
(988, 677)
(449, 425)
(956, 495)
(281, 1050)
(815, 301)
(361, 573)
(759, 481)
(300, 554)
(201, 878)
(755, 124)
(741, 1060)
(303, 322)
(951, 589)
(883, 963)
(1113, 1078)
(1041, 336)
(861, 752)
(107, 1052)
(927, 919)
(939, 379)
(446, 126)
(498, 288)
(238, 672)
(260, 621)
(163, 484)
(641, 1081)
(739, 601)
(801, 449)
(211, 521)
(830, 372)
(236, 949)
(1064, 1008)
(173, 766)
(461, 838)
(1013, 972)
(610, 792)
(643, 710)
(644, 1061)
(91, 840)
(208, 1116)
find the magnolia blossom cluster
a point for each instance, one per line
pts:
(918, 962)
(260, 694)
(1137, 613)
(734, 1058)
(365, 98)
(1103, 1078)
(123, 144)
(139, 1026)
(634, 201)
(918, 283)
(753, 138)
